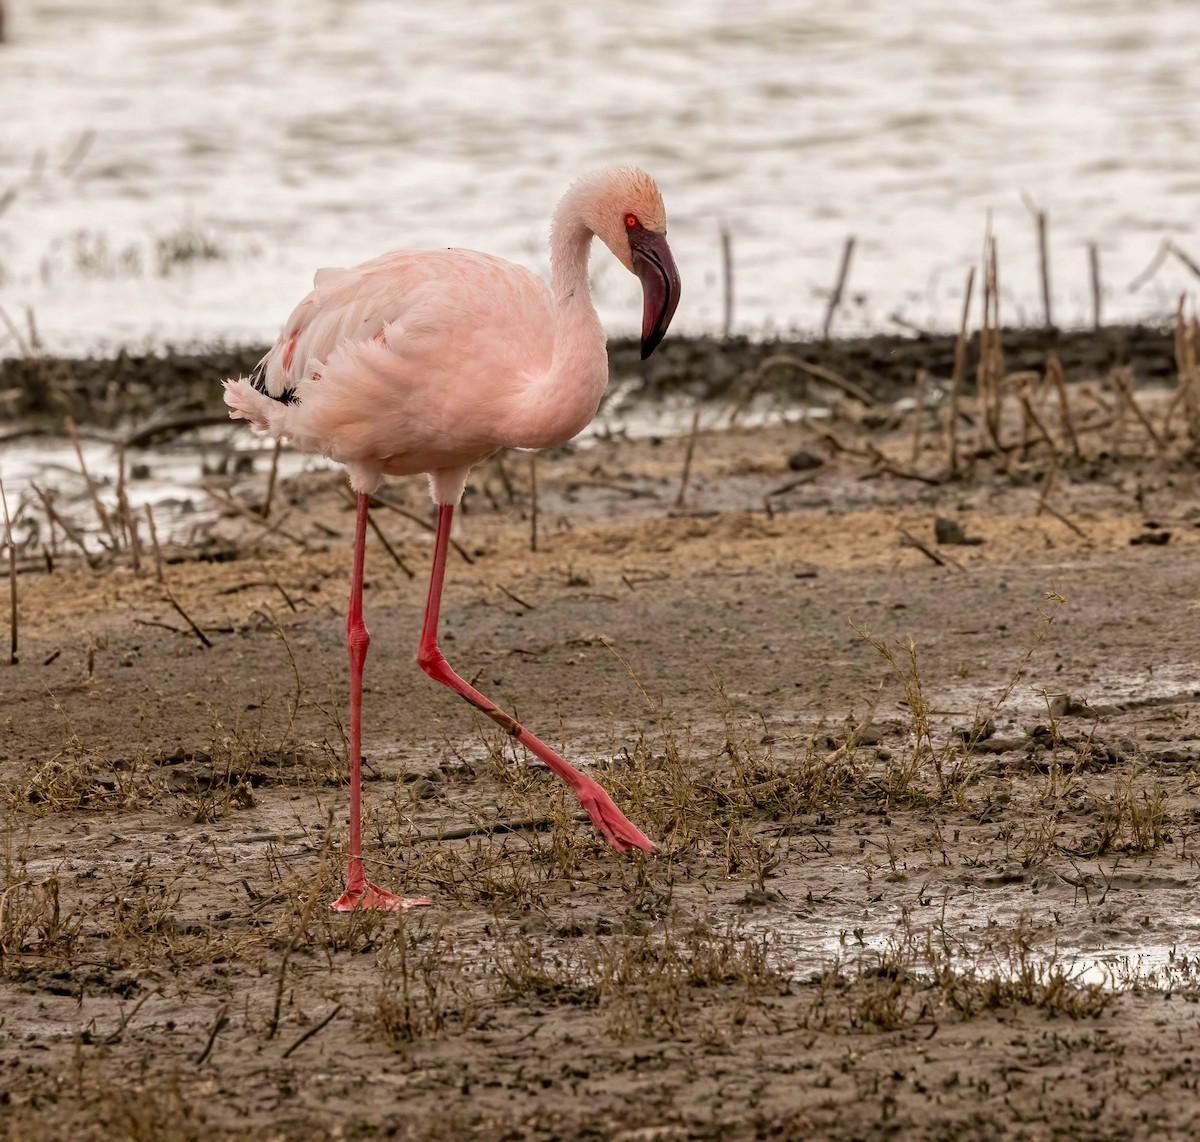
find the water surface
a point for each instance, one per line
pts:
(180, 170)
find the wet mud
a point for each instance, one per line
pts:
(926, 811)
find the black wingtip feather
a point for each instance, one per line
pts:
(258, 378)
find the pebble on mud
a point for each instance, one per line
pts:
(1059, 705)
(950, 532)
(1151, 538)
(803, 461)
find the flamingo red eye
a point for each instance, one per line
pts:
(631, 220)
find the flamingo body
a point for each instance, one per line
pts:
(431, 361)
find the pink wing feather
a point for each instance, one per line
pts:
(417, 361)
(406, 297)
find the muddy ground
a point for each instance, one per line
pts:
(938, 888)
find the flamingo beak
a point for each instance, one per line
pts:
(653, 263)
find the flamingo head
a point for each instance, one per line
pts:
(622, 206)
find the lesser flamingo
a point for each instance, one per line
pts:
(430, 361)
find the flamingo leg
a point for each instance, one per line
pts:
(360, 892)
(604, 814)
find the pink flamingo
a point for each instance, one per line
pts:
(431, 361)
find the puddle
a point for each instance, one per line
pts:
(984, 928)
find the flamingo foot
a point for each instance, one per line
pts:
(616, 827)
(362, 893)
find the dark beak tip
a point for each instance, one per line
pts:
(660, 285)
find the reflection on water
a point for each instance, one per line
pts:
(1033, 928)
(238, 146)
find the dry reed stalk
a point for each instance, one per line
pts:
(218, 1025)
(158, 562)
(1066, 423)
(1047, 486)
(983, 374)
(122, 503)
(1186, 259)
(1097, 288)
(533, 501)
(1025, 395)
(1187, 387)
(204, 640)
(291, 605)
(991, 355)
(1043, 505)
(1039, 221)
(1066, 522)
(26, 350)
(885, 466)
(315, 1029)
(918, 415)
(269, 528)
(1117, 424)
(68, 530)
(907, 539)
(687, 459)
(101, 514)
(1160, 256)
(78, 152)
(1165, 249)
(1191, 400)
(727, 279)
(485, 486)
(12, 578)
(1023, 406)
(505, 480)
(1122, 378)
(396, 558)
(375, 500)
(135, 543)
(960, 361)
(52, 523)
(743, 394)
(835, 298)
(996, 346)
(301, 928)
(515, 597)
(271, 478)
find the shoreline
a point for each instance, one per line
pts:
(108, 390)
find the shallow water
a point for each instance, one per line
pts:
(174, 474)
(180, 170)
(172, 483)
(1056, 924)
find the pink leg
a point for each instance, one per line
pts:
(360, 892)
(605, 815)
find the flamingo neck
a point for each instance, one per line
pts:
(562, 402)
(570, 251)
